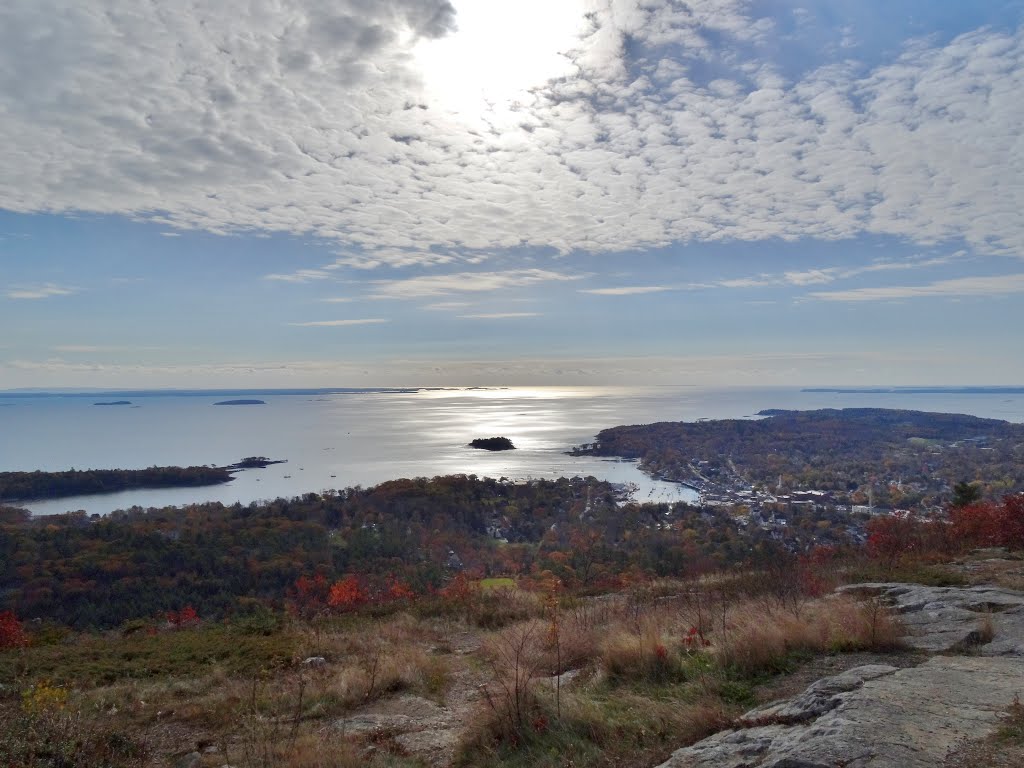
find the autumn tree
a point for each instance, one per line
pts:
(183, 619)
(12, 633)
(347, 594)
(309, 596)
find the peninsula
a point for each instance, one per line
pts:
(872, 457)
(24, 486)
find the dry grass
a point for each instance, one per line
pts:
(366, 660)
(755, 640)
(640, 655)
(663, 665)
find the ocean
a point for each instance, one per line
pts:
(361, 438)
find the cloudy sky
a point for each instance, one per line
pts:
(421, 192)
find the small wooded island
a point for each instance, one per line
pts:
(116, 402)
(255, 462)
(241, 402)
(22, 486)
(493, 444)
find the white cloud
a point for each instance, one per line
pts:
(824, 275)
(500, 315)
(311, 116)
(447, 305)
(392, 257)
(337, 323)
(996, 285)
(301, 276)
(39, 291)
(628, 290)
(464, 282)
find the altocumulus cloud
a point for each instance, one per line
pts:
(312, 116)
(464, 282)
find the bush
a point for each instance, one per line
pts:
(12, 633)
(45, 732)
(989, 524)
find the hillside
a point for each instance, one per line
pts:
(891, 458)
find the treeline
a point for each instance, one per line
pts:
(16, 486)
(98, 572)
(837, 450)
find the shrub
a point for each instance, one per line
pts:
(12, 633)
(183, 619)
(46, 732)
(990, 525)
(347, 594)
(514, 658)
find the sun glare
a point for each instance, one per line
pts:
(500, 50)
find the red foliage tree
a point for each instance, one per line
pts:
(990, 525)
(892, 537)
(347, 594)
(186, 617)
(817, 570)
(12, 633)
(309, 596)
(460, 589)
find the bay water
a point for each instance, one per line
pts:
(339, 440)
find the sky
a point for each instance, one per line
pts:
(316, 193)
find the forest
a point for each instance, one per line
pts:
(21, 486)
(904, 458)
(94, 572)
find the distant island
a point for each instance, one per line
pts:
(255, 462)
(241, 402)
(492, 444)
(116, 402)
(917, 390)
(25, 486)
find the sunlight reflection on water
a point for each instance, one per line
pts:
(341, 440)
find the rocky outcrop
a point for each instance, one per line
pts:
(870, 717)
(951, 619)
(419, 726)
(878, 716)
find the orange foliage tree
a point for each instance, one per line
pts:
(397, 589)
(347, 594)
